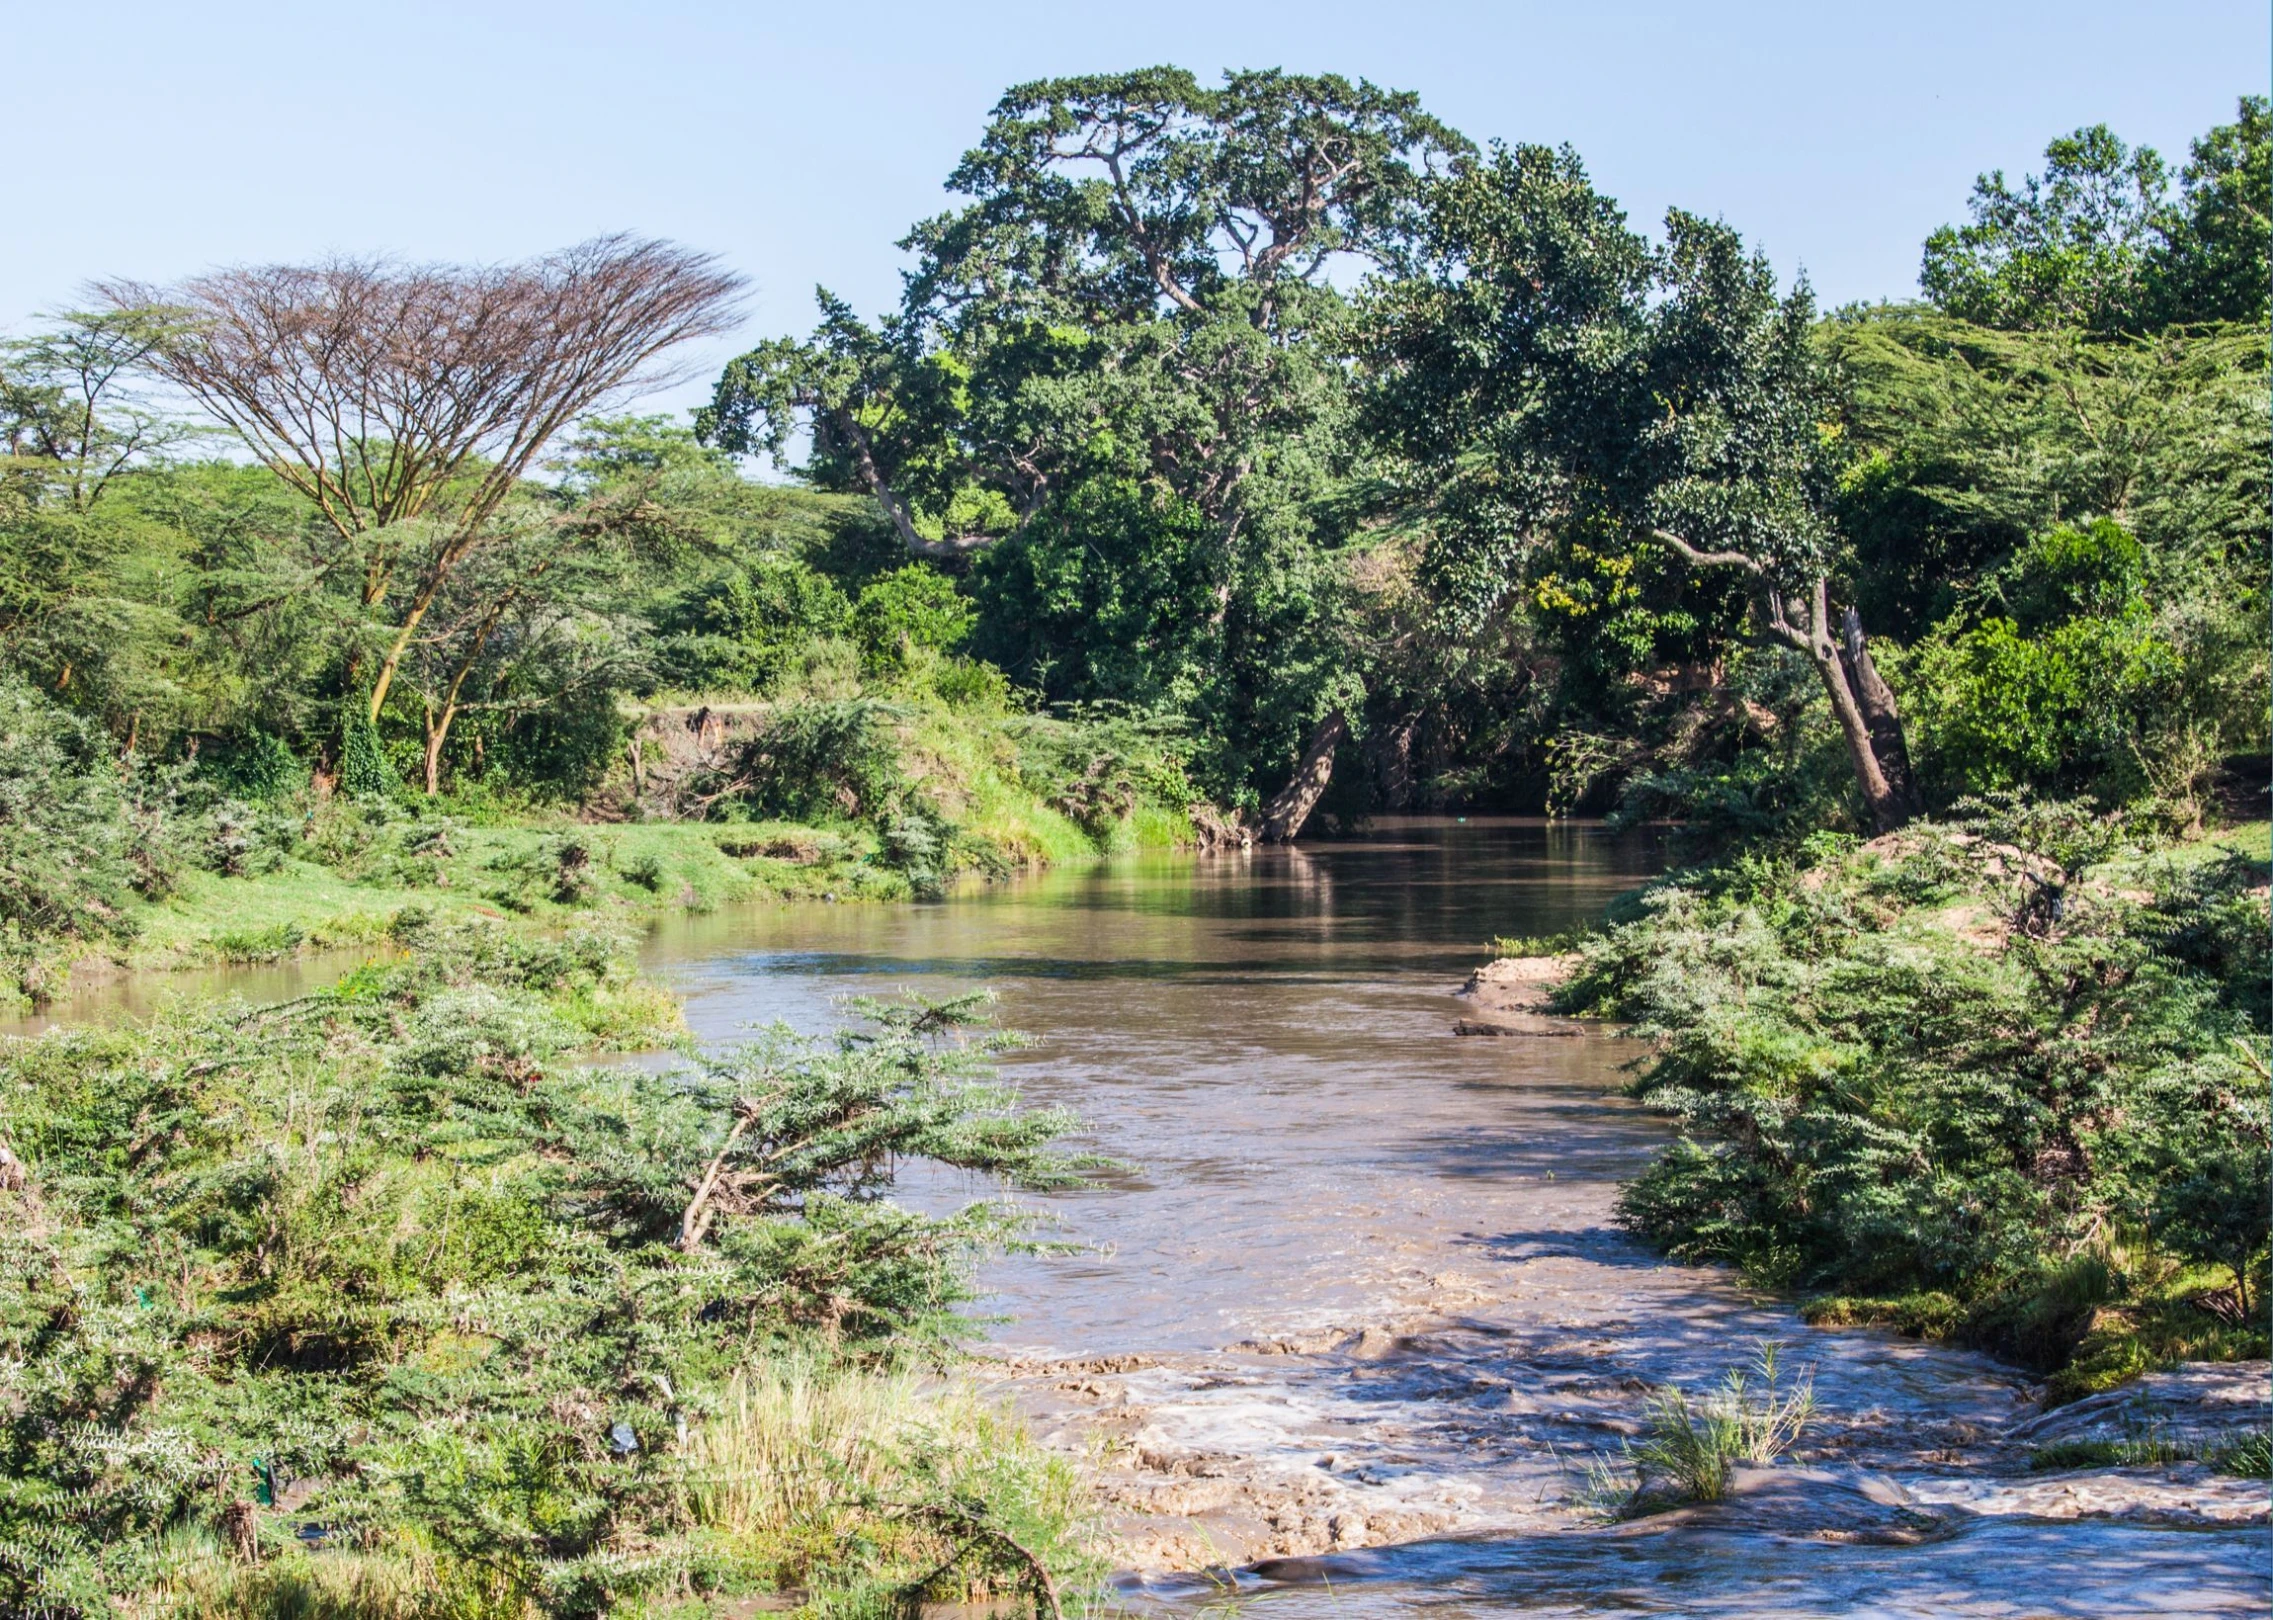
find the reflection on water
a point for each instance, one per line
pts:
(116, 997)
(1203, 1013)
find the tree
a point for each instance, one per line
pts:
(86, 609)
(2213, 265)
(1113, 384)
(67, 417)
(1556, 377)
(2096, 242)
(521, 627)
(2068, 248)
(406, 403)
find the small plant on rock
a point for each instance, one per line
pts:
(1691, 1446)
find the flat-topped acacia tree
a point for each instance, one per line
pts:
(407, 401)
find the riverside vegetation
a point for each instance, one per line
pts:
(1241, 457)
(380, 1302)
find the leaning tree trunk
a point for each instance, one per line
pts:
(1871, 724)
(1881, 714)
(1290, 807)
(1860, 697)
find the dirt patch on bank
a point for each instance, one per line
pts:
(1514, 995)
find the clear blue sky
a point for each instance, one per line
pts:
(798, 141)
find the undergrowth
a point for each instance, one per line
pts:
(1691, 1445)
(388, 1301)
(2002, 1079)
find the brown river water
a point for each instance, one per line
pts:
(1342, 1339)
(1359, 1314)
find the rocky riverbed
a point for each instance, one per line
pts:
(1348, 1329)
(1473, 1402)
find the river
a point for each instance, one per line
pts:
(1358, 1314)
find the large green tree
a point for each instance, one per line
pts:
(2096, 240)
(1114, 378)
(1567, 385)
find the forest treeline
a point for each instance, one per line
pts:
(1384, 468)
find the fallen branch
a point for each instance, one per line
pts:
(975, 1527)
(695, 1220)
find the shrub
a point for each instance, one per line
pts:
(561, 752)
(560, 870)
(1951, 1064)
(81, 834)
(363, 769)
(822, 760)
(913, 607)
(2081, 683)
(256, 765)
(645, 870)
(739, 631)
(377, 1271)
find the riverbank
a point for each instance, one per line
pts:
(2000, 1082)
(1363, 1298)
(1357, 1292)
(351, 871)
(860, 796)
(1325, 1454)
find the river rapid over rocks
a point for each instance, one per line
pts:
(1345, 1336)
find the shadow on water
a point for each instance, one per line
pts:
(2031, 1570)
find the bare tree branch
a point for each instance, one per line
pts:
(1710, 559)
(387, 394)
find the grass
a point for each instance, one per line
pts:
(2154, 1446)
(803, 1458)
(858, 1490)
(1691, 1445)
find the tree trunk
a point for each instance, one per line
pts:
(1394, 762)
(1882, 714)
(1860, 697)
(1290, 807)
(436, 733)
(1890, 806)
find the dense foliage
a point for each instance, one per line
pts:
(1270, 409)
(1992, 1073)
(392, 1265)
(1260, 445)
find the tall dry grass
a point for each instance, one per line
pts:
(872, 1478)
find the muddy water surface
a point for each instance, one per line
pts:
(1358, 1316)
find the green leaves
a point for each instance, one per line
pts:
(383, 1241)
(1954, 1062)
(2095, 242)
(2069, 248)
